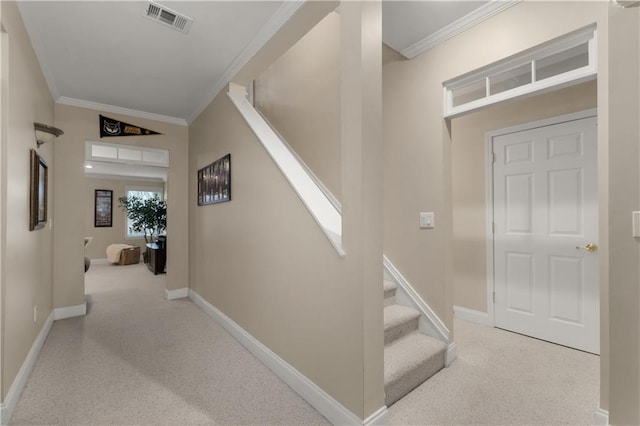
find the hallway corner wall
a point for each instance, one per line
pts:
(26, 266)
(263, 261)
(80, 125)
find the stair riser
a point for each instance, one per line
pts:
(390, 293)
(388, 301)
(400, 331)
(414, 378)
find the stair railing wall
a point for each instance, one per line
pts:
(314, 196)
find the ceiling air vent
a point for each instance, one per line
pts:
(169, 17)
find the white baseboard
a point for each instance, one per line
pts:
(103, 261)
(176, 294)
(470, 315)
(602, 417)
(335, 412)
(451, 354)
(9, 404)
(379, 418)
(436, 327)
(70, 311)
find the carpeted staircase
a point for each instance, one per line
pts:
(410, 357)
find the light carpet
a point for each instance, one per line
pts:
(503, 378)
(137, 358)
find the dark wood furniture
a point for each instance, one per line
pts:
(157, 258)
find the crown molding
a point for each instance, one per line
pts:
(282, 15)
(468, 21)
(63, 100)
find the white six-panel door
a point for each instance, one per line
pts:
(545, 215)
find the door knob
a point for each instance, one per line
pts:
(589, 247)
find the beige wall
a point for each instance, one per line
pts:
(275, 273)
(80, 125)
(624, 197)
(469, 175)
(418, 147)
(300, 95)
(26, 256)
(227, 237)
(116, 234)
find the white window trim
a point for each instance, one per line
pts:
(576, 76)
(163, 153)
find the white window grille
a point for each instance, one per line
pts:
(562, 62)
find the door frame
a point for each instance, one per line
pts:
(488, 147)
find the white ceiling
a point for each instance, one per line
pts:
(107, 55)
(107, 52)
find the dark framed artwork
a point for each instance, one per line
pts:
(103, 208)
(39, 191)
(214, 182)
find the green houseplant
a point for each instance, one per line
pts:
(148, 215)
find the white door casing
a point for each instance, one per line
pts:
(545, 206)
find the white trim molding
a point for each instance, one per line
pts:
(451, 354)
(179, 293)
(9, 404)
(468, 21)
(101, 261)
(70, 312)
(379, 418)
(601, 417)
(574, 116)
(277, 20)
(436, 325)
(334, 411)
(472, 315)
(63, 100)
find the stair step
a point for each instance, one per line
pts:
(389, 292)
(389, 287)
(410, 361)
(399, 321)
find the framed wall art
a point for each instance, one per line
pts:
(103, 208)
(214, 182)
(39, 191)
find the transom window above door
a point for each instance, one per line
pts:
(136, 162)
(127, 154)
(565, 61)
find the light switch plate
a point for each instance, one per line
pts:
(427, 220)
(635, 219)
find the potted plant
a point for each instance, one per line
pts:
(147, 215)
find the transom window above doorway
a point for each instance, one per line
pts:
(565, 61)
(127, 154)
(108, 160)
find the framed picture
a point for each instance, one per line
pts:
(38, 192)
(214, 182)
(102, 217)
